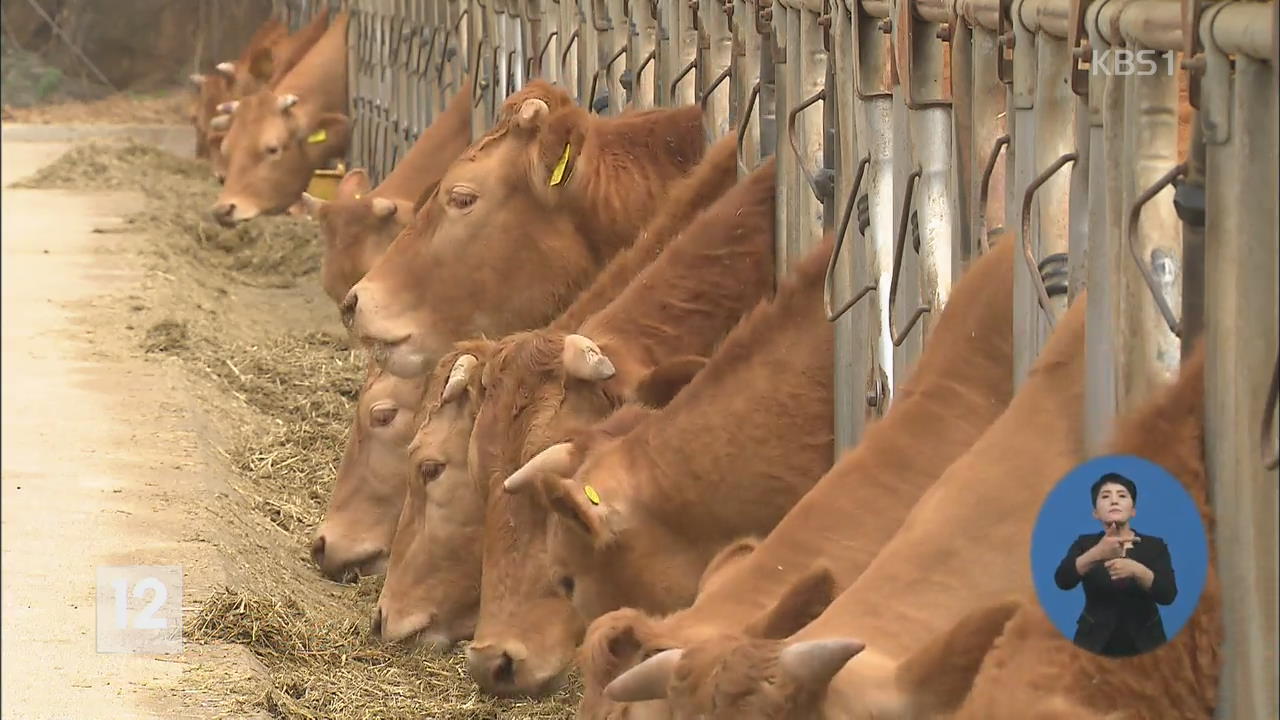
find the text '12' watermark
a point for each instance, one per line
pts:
(139, 609)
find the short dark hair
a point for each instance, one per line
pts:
(1116, 479)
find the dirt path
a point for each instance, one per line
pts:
(102, 461)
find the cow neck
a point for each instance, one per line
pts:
(623, 171)
(713, 176)
(431, 155)
(293, 48)
(701, 285)
(987, 498)
(320, 77)
(741, 440)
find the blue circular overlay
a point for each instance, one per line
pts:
(1164, 509)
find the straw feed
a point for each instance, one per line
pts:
(236, 307)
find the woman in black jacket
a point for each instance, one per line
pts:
(1125, 575)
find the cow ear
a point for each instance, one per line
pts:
(354, 184)
(558, 148)
(261, 64)
(580, 506)
(729, 556)
(657, 388)
(798, 606)
(938, 677)
(583, 359)
(227, 69)
(327, 138)
(613, 643)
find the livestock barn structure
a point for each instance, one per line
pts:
(1124, 146)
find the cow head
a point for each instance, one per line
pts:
(272, 148)
(356, 229)
(618, 640)
(355, 537)
(504, 251)
(432, 589)
(212, 89)
(766, 676)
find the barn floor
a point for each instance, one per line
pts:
(101, 459)
(174, 395)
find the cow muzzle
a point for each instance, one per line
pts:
(504, 670)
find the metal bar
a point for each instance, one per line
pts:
(984, 189)
(1131, 236)
(900, 246)
(1271, 458)
(675, 82)
(743, 122)
(829, 286)
(1028, 254)
(809, 175)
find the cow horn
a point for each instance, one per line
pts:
(226, 68)
(312, 204)
(458, 375)
(196, 79)
(815, 662)
(383, 208)
(531, 110)
(284, 102)
(220, 122)
(584, 360)
(646, 681)
(557, 458)
(229, 107)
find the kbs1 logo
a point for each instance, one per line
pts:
(1123, 61)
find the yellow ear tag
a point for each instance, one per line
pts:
(318, 136)
(592, 495)
(557, 173)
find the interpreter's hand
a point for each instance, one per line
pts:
(1111, 545)
(1125, 568)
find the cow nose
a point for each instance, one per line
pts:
(494, 668)
(375, 622)
(222, 213)
(348, 308)
(317, 550)
(222, 179)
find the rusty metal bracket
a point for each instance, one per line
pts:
(546, 45)
(644, 63)
(903, 53)
(900, 246)
(1131, 235)
(742, 126)
(1078, 44)
(984, 191)
(1271, 458)
(680, 76)
(819, 187)
(1193, 60)
(828, 289)
(1032, 266)
(1004, 42)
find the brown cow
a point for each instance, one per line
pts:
(539, 385)
(227, 82)
(927, 606)
(432, 585)
(360, 222)
(519, 223)
(438, 608)
(280, 136)
(668, 473)
(261, 66)
(1035, 672)
(949, 403)
(360, 521)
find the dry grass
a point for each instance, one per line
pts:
(173, 108)
(291, 395)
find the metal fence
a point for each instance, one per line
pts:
(922, 131)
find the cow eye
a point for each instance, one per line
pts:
(382, 415)
(566, 585)
(461, 198)
(273, 149)
(430, 470)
